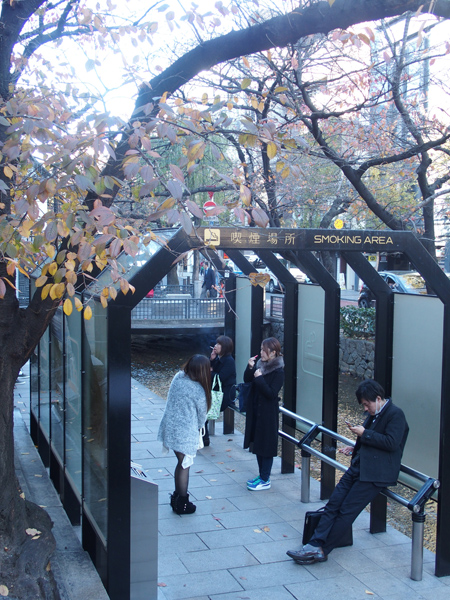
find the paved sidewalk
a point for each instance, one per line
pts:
(234, 546)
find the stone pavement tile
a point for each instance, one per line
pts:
(170, 523)
(184, 542)
(219, 491)
(154, 474)
(262, 576)
(143, 437)
(194, 585)
(224, 538)
(139, 452)
(200, 467)
(259, 518)
(215, 506)
(247, 500)
(351, 559)
(271, 593)
(139, 427)
(441, 593)
(240, 470)
(383, 583)
(389, 556)
(283, 531)
(343, 587)
(170, 564)
(214, 560)
(294, 511)
(326, 570)
(391, 537)
(428, 581)
(429, 567)
(216, 479)
(363, 539)
(270, 552)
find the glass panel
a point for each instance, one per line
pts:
(94, 415)
(44, 383)
(130, 264)
(34, 373)
(73, 397)
(57, 384)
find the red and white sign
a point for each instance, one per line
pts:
(209, 206)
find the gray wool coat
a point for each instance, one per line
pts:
(184, 415)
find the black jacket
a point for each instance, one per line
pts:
(225, 368)
(261, 425)
(380, 447)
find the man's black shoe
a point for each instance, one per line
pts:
(308, 555)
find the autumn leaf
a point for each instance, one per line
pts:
(67, 307)
(261, 279)
(87, 313)
(4, 591)
(245, 83)
(271, 150)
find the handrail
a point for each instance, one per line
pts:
(416, 505)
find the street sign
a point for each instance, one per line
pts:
(208, 206)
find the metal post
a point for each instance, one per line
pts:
(418, 520)
(306, 477)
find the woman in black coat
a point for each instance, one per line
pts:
(261, 426)
(223, 365)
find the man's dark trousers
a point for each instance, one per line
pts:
(348, 499)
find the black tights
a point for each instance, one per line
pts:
(181, 476)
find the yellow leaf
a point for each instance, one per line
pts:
(245, 83)
(4, 591)
(45, 290)
(124, 286)
(261, 279)
(68, 307)
(280, 88)
(49, 250)
(285, 172)
(40, 281)
(331, 2)
(280, 166)
(261, 106)
(78, 304)
(271, 150)
(53, 267)
(104, 301)
(87, 313)
(8, 171)
(205, 98)
(113, 292)
(245, 61)
(57, 290)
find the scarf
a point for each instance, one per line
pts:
(270, 365)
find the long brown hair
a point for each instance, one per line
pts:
(271, 344)
(198, 368)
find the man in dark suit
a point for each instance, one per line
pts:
(375, 464)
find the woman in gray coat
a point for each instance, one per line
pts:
(188, 402)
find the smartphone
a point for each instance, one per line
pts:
(349, 423)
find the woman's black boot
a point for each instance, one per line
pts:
(183, 506)
(173, 500)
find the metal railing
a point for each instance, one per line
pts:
(427, 486)
(179, 308)
(160, 290)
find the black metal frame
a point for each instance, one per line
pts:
(303, 243)
(299, 246)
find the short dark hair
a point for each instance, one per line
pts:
(198, 368)
(226, 344)
(271, 344)
(369, 390)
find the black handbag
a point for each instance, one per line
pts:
(312, 518)
(242, 391)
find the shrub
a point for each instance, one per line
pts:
(358, 322)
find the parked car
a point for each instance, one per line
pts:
(404, 282)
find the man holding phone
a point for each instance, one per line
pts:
(376, 461)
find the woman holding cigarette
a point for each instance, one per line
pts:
(261, 426)
(222, 365)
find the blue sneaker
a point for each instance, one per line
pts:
(259, 485)
(253, 481)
